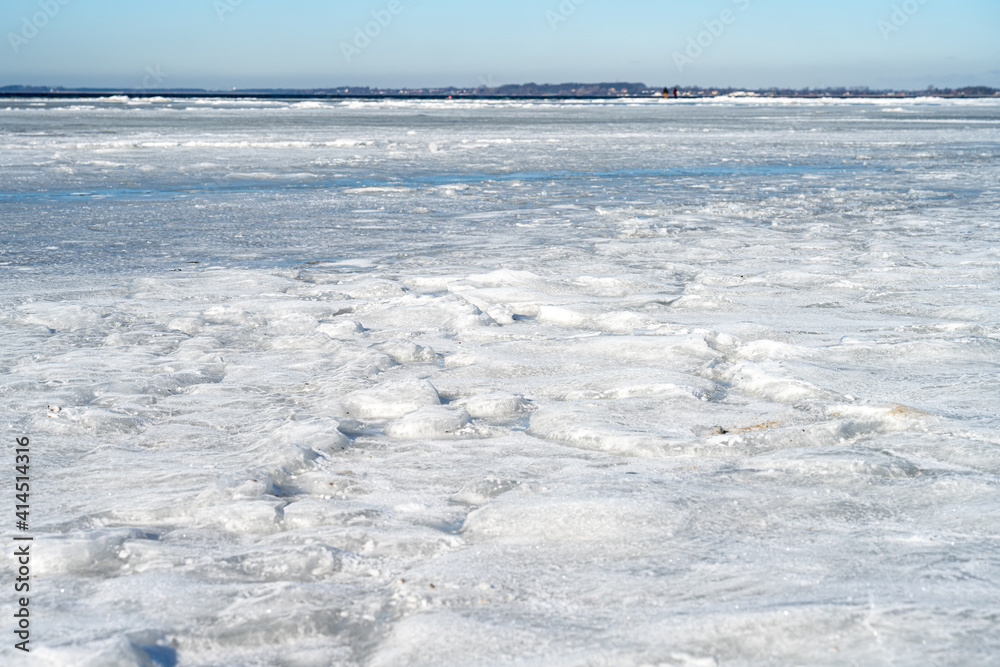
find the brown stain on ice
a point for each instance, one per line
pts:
(907, 411)
(763, 426)
(898, 410)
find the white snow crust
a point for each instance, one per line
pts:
(485, 383)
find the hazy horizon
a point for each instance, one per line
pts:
(445, 87)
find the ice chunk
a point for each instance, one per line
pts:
(322, 434)
(405, 351)
(98, 551)
(391, 401)
(437, 421)
(341, 329)
(498, 404)
(59, 316)
(482, 491)
(577, 427)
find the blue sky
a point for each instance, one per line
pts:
(301, 43)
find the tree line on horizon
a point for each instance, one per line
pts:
(607, 89)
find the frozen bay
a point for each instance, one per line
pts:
(544, 383)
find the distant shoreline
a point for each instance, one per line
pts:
(293, 96)
(530, 91)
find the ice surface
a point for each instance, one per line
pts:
(545, 383)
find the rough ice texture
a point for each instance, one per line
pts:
(536, 383)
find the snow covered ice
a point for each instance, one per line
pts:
(629, 383)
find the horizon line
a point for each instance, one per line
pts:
(568, 90)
